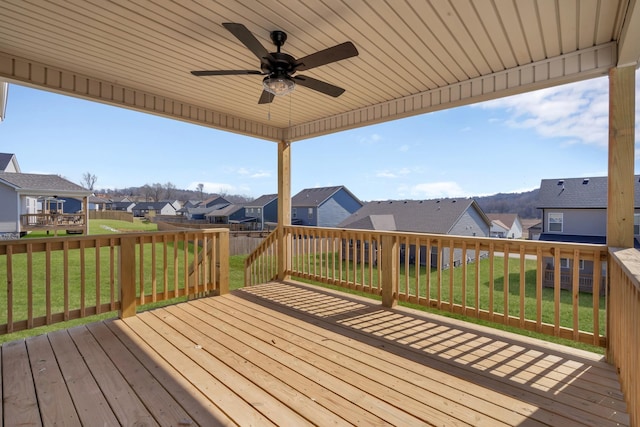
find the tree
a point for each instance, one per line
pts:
(200, 188)
(89, 180)
(169, 190)
(147, 191)
(157, 189)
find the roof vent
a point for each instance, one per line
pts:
(453, 201)
(585, 181)
(437, 201)
(561, 182)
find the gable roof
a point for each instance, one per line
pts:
(152, 205)
(575, 193)
(425, 216)
(263, 200)
(317, 196)
(227, 210)
(506, 219)
(6, 159)
(36, 184)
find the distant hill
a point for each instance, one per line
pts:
(524, 204)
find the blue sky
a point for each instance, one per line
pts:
(501, 146)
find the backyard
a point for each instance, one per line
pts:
(89, 280)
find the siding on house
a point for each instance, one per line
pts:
(324, 206)
(9, 210)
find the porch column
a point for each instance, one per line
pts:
(620, 207)
(85, 209)
(284, 208)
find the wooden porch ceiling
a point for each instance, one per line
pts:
(291, 354)
(414, 56)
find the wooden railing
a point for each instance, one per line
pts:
(52, 221)
(623, 329)
(498, 280)
(50, 280)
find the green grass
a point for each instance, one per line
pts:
(236, 276)
(585, 300)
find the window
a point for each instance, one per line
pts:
(636, 223)
(258, 210)
(564, 263)
(310, 213)
(294, 213)
(555, 222)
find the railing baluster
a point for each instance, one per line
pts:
(30, 286)
(98, 289)
(9, 259)
(154, 278)
(522, 286)
(574, 292)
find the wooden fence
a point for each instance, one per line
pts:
(114, 215)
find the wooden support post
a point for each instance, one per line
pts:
(127, 276)
(620, 208)
(223, 262)
(390, 259)
(284, 209)
(86, 216)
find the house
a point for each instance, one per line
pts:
(229, 214)
(75, 205)
(213, 201)
(153, 208)
(458, 216)
(506, 225)
(34, 202)
(125, 206)
(264, 210)
(9, 163)
(575, 210)
(323, 206)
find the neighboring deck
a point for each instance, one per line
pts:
(289, 354)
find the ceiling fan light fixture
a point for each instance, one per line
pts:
(278, 85)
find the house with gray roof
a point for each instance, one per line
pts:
(323, 206)
(506, 225)
(229, 214)
(264, 211)
(575, 210)
(456, 216)
(9, 163)
(142, 209)
(30, 202)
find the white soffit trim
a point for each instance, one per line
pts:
(584, 64)
(4, 90)
(40, 76)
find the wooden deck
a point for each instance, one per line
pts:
(292, 355)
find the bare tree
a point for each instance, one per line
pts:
(147, 191)
(200, 188)
(157, 191)
(169, 190)
(89, 180)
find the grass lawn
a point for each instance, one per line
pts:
(236, 275)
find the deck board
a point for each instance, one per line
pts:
(291, 354)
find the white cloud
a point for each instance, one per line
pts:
(393, 174)
(261, 174)
(370, 139)
(578, 112)
(214, 187)
(404, 148)
(432, 190)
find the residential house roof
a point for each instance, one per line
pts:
(6, 159)
(263, 200)
(95, 199)
(36, 184)
(426, 216)
(505, 219)
(151, 205)
(115, 205)
(227, 210)
(317, 196)
(576, 193)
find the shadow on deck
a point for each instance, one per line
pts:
(292, 354)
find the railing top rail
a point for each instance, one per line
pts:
(449, 237)
(629, 261)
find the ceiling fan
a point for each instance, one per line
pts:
(279, 68)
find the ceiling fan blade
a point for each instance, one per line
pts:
(266, 97)
(337, 53)
(319, 85)
(224, 72)
(248, 39)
